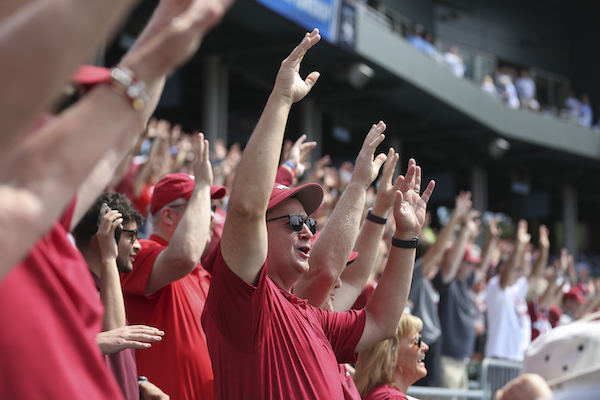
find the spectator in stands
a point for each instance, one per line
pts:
(572, 106)
(461, 268)
(430, 49)
(256, 329)
(585, 111)
(416, 39)
(50, 314)
(337, 274)
(108, 242)
(425, 297)
(508, 92)
(454, 61)
(168, 287)
(387, 370)
(487, 86)
(509, 324)
(525, 89)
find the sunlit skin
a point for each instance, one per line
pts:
(410, 366)
(288, 250)
(126, 249)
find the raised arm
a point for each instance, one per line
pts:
(330, 252)
(244, 240)
(41, 45)
(462, 205)
(456, 254)
(187, 244)
(111, 293)
(42, 173)
(387, 303)
(542, 261)
(508, 274)
(488, 249)
(356, 275)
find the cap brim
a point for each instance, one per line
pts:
(352, 257)
(217, 192)
(310, 195)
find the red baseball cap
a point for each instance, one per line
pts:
(471, 255)
(575, 293)
(175, 186)
(310, 195)
(352, 257)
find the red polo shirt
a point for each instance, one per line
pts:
(266, 343)
(179, 364)
(51, 314)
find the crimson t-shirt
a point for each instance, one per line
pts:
(51, 314)
(266, 343)
(179, 364)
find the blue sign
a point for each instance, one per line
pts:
(310, 14)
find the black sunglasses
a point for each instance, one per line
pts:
(419, 341)
(298, 221)
(134, 234)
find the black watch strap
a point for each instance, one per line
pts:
(405, 244)
(374, 218)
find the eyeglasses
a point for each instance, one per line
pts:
(418, 341)
(298, 221)
(134, 234)
(177, 205)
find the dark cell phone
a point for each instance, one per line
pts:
(104, 208)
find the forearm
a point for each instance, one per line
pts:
(41, 175)
(436, 250)
(355, 276)
(455, 255)
(111, 295)
(256, 172)
(330, 253)
(541, 263)
(387, 303)
(58, 35)
(486, 257)
(507, 277)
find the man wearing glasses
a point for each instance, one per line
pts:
(107, 239)
(264, 342)
(168, 287)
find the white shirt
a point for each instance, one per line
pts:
(509, 323)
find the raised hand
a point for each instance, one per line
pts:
(106, 234)
(409, 206)
(462, 205)
(297, 154)
(366, 167)
(288, 83)
(386, 193)
(544, 237)
(202, 166)
(523, 237)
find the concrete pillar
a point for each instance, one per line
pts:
(479, 188)
(312, 127)
(215, 99)
(569, 195)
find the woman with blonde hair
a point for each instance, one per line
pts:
(386, 370)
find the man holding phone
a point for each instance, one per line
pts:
(107, 238)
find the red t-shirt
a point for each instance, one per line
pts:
(266, 343)
(385, 392)
(51, 314)
(348, 386)
(179, 364)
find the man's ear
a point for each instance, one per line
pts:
(167, 216)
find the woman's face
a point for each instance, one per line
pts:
(411, 358)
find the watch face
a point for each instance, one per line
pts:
(134, 91)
